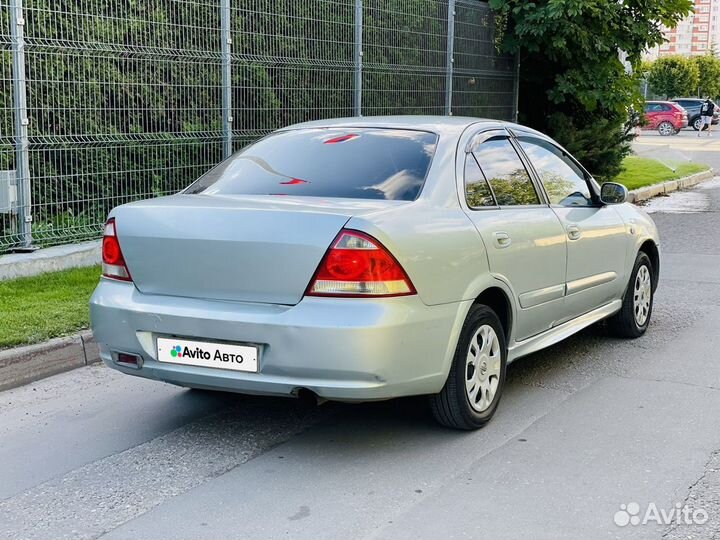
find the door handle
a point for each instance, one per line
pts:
(502, 239)
(573, 232)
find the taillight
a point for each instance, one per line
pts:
(357, 265)
(113, 262)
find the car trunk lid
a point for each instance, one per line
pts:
(250, 249)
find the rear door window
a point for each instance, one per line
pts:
(505, 172)
(477, 189)
(354, 163)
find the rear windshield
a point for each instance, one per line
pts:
(350, 163)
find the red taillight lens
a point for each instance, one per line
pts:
(357, 265)
(113, 262)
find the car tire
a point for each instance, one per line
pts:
(476, 379)
(634, 316)
(697, 123)
(666, 128)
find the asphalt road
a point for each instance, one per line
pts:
(586, 426)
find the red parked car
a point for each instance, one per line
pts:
(665, 116)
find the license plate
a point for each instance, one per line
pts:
(206, 354)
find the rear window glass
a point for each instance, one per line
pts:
(349, 163)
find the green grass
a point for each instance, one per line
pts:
(640, 171)
(50, 305)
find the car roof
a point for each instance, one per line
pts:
(435, 124)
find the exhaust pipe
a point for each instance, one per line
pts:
(308, 397)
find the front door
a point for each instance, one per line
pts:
(596, 234)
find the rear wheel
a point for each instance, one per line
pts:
(633, 318)
(666, 128)
(697, 124)
(477, 375)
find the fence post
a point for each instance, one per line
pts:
(227, 111)
(516, 89)
(450, 59)
(357, 87)
(22, 154)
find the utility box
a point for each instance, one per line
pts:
(8, 192)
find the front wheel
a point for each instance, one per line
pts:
(634, 316)
(697, 124)
(666, 128)
(477, 375)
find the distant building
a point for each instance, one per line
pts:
(693, 36)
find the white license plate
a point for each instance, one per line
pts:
(206, 354)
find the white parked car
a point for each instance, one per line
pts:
(370, 258)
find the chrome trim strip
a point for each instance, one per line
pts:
(554, 335)
(581, 284)
(540, 296)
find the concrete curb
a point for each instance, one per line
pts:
(648, 192)
(23, 365)
(51, 259)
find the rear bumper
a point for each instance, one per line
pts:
(341, 349)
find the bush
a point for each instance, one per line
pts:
(600, 145)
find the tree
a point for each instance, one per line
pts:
(573, 83)
(673, 76)
(708, 67)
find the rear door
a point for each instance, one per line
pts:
(653, 111)
(596, 235)
(524, 239)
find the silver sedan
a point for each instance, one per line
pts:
(370, 258)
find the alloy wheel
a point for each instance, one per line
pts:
(666, 128)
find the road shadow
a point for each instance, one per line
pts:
(411, 415)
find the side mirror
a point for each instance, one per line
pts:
(612, 193)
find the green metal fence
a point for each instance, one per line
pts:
(105, 102)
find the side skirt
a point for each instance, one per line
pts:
(557, 334)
